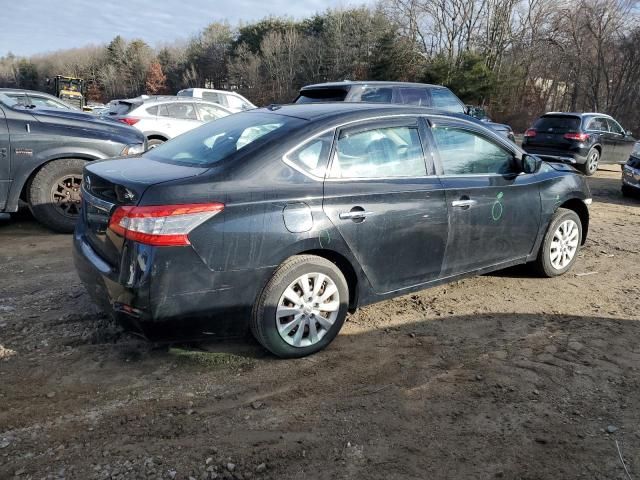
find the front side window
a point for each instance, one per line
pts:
(463, 152)
(210, 112)
(414, 96)
(236, 102)
(444, 99)
(43, 102)
(214, 97)
(615, 126)
(222, 139)
(379, 153)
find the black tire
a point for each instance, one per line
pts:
(263, 318)
(47, 205)
(154, 142)
(627, 191)
(543, 264)
(590, 167)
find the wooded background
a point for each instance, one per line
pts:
(518, 58)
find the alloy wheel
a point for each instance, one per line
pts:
(564, 244)
(307, 309)
(592, 161)
(65, 195)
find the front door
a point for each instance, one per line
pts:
(5, 161)
(385, 203)
(494, 211)
(623, 143)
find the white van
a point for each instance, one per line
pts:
(230, 100)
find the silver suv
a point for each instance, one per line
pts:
(162, 118)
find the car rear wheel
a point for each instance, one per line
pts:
(561, 244)
(54, 194)
(591, 165)
(302, 308)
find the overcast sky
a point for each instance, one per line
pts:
(39, 26)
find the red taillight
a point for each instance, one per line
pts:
(530, 133)
(580, 137)
(161, 225)
(129, 120)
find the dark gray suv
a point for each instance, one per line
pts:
(43, 150)
(405, 93)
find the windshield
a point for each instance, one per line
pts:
(222, 138)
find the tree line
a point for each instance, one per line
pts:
(517, 58)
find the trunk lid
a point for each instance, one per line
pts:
(550, 131)
(112, 183)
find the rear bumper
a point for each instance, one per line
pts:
(168, 292)
(574, 156)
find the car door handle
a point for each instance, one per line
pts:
(354, 215)
(464, 203)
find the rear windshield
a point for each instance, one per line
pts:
(219, 140)
(557, 123)
(322, 95)
(120, 108)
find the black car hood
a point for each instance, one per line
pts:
(83, 120)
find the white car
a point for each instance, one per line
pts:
(233, 101)
(162, 118)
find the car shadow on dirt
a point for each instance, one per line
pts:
(427, 398)
(606, 187)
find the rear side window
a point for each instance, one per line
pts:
(463, 152)
(598, 124)
(152, 110)
(222, 139)
(374, 95)
(444, 99)
(313, 156)
(183, 111)
(558, 124)
(379, 153)
(414, 96)
(322, 95)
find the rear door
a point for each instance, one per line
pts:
(5, 160)
(178, 118)
(386, 203)
(494, 211)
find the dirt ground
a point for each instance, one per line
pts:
(501, 376)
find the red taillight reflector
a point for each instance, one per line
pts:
(161, 225)
(530, 133)
(129, 120)
(581, 137)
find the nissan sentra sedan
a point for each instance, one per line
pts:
(631, 173)
(282, 220)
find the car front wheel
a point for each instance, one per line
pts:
(559, 249)
(302, 308)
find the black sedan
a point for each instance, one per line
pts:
(284, 219)
(582, 139)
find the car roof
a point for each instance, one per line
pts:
(348, 83)
(28, 92)
(576, 114)
(327, 110)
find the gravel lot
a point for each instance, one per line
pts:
(501, 376)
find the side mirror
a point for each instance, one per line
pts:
(530, 163)
(629, 133)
